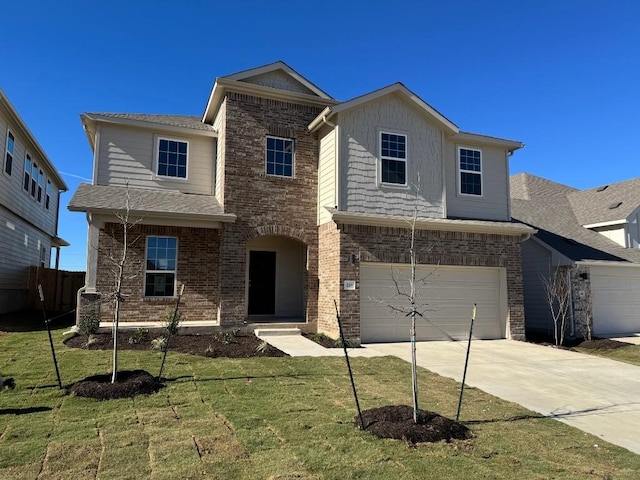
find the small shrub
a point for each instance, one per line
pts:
(348, 342)
(140, 335)
(159, 343)
(209, 349)
(89, 324)
(172, 324)
(91, 339)
(263, 347)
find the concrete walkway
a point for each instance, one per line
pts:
(596, 395)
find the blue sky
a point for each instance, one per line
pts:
(562, 77)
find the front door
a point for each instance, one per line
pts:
(262, 283)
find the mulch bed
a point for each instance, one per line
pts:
(396, 421)
(140, 382)
(569, 343)
(229, 345)
(603, 344)
(128, 384)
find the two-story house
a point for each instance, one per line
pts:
(280, 201)
(30, 189)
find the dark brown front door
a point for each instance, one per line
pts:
(262, 283)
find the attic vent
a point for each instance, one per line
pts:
(602, 189)
(614, 205)
(570, 241)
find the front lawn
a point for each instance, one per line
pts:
(266, 418)
(628, 354)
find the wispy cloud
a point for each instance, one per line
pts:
(75, 176)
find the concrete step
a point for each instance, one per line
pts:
(270, 332)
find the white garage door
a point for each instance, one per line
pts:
(447, 294)
(616, 300)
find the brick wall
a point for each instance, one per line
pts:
(391, 245)
(197, 269)
(266, 205)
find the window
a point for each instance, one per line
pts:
(393, 158)
(172, 158)
(160, 275)
(40, 185)
(8, 162)
(470, 167)
(34, 179)
(48, 197)
(280, 157)
(27, 172)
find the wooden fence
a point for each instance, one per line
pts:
(58, 286)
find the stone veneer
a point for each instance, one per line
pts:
(340, 243)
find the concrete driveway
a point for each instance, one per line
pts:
(593, 394)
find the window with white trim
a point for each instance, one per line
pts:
(172, 158)
(27, 172)
(161, 267)
(40, 185)
(8, 160)
(47, 199)
(279, 156)
(393, 158)
(34, 178)
(470, 171)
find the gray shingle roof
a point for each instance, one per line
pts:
(593, 206)
(545, 205)
(143, 201)
(186, 121)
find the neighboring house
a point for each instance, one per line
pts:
(593, 236)
(280, 200)
(30, 190)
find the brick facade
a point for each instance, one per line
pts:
(266, 205)
(352, 244)
(197, 269)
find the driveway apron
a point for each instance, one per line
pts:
(596, 395)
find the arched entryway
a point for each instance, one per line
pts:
(276, 279)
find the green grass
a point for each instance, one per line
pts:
(629, 354)
(267, 418)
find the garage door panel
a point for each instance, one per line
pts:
(445, 298)
(616, 300)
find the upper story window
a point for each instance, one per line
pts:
(161, 267)
(470, 171)
(279, 156)
(172, 158)
(40, 185)
(8, 161)
(393, 158)
(34, 178)
(27, 172)
(47, 200)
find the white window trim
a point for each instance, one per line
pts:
(460, 171)
(13, 154)
(404, 185)
(47, 193)
(28, 189)
(156, 159)
(175, 272)
(293, 157)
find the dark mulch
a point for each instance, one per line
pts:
(230, 345)
(128, 384)
(603, 344)
(396, 421)
(328, 342)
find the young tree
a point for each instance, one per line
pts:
(557, 288)
(118, 261)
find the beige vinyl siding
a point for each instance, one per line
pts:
(615, 233)
(21, 247)
(326, 174)
(494, 202)
(536, 262)
(279, 80)
(220, 124)
(128, 154)
(12, 195)
(359, 166)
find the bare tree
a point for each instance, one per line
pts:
(118, 260)
(557, 288)
(586, 326)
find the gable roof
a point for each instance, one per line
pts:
(183, 121)
(611, 203)
(241, 82)
(545, 205)
(395, 88)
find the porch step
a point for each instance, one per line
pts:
(270, 332)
